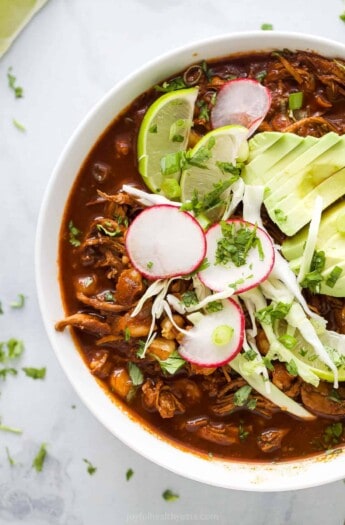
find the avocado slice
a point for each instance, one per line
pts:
(331, 240)
(254, 171)
(296, 212)
(294, 171)
(310, 169)
(261, 142)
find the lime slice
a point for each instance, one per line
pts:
(318, 367)
(163, 133)
(14, 15)
(211, 159)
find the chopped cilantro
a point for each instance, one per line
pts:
(189, 298)
(19, 303)
(40, 458)
(280, 216)
(270, 313)
(242, 433)
(214, 306)
(129, 474)
(332, 434)
(288, 341)
(90, 468)
(172, 364)
(206, 70)
(250, 354)
(241, 396)
(73, 234)
(168, 495)
(334, 276)
(334, 396)
(149, 265)
(291, 367)
(6, 428)
(35, 373)
(204, 112)
(127, 334)
(15, 348)
(1, 310)
(171, 85)
(18, 125)
(261, 75)
(342, 16)
(135, 374)
(153, 128)
(17, 90)
(313, 279)
(209, 200)
(9, 457)
(266, 27)
(228, 167)
(296, 100)
(235, 244)
(141, 348)
(4, 372)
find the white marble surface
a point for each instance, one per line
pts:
(66, 59)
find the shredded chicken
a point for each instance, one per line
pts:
(287, 383)
(270, 440)
(324, 400)
(86, 322)
(158, 396)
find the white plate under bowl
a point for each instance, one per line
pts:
(244, 476)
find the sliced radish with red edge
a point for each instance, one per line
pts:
(258, 264)
(163, 242)
(217, 337)
(242, 101)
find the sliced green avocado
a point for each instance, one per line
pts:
(261, 142)
(254, 171)
(294, 171)
(331, 240)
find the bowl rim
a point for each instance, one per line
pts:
(289, 475)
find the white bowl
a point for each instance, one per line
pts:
(235, 475)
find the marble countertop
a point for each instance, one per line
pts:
(71, 53)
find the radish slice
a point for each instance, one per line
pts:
(258, 263)
(164, 242)
(242, 101)
(217, 338)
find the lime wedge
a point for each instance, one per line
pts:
(211, 159)
(14, 15)
(318, 367)
(163, 133)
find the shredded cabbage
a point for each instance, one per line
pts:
(252, 201)
(235, 197)
(310, 244)
(148, 199)
(275, 395)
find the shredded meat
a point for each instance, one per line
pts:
(287, 383)
(100, 364)
(270, 440)
(158, 396)
(86, 322)
(100, 304)
(129, 287)
(225, 434)
(324, 400)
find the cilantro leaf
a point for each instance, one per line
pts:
(169, 495)
(17, 90)
(35, 373)
(135, 374)
(19, 303)
(40, 457)
(90, 468)
(129, 474)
